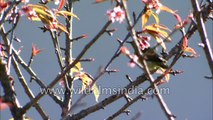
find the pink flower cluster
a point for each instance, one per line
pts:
(29, 12)
(143, 41)
(152, 3)
(116, 14)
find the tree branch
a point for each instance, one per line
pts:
(57, 47)
(68, 60)
(145, 67)
(108, 100)
(55, 81)
(27, 89)
(152, 86)
(27, 68)
(203, 34)
(105, 69)
(9, 91)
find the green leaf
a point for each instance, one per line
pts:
(96, 92)
(145, 17)
(66, 13)
(87, 81)
(155, 17)
(77, 68)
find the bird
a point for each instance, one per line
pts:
(154, 61)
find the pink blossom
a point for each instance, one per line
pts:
(134, 59)
(117, 14)
(143, 42)
(131, 64)
(155, 4)
(124, 50)
(30, 13)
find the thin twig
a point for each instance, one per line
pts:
(56, 44)
(7, 11)
(14, 25)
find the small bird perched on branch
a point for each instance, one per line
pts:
(154, 61)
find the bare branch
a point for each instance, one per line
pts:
(27, 89)
(68, 60)
(55, 81)
(9, 91)
(27, 68)
(108, 100)
(57, 49)
(203, 33)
